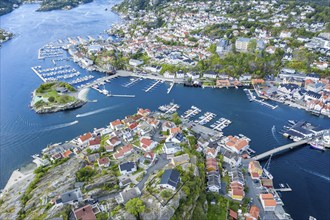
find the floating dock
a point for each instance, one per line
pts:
(284, 188)
(152, 86)
(169, 89)
(131, 83)
(221, 124)
(191, 112)
(36, 72)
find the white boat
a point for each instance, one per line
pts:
(317, 146)
(268, 174)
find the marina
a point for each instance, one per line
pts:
(193, 111)
(169, 109)
(206, 118)
(220, 124)
(152, 86)
(50, 51)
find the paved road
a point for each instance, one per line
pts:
(160, 163)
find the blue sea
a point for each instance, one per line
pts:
(24, 133)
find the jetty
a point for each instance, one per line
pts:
(152, 86)
(132, 82)
(284, 188)
(191, 112)
(206, 118)
(262, 102)
(38, 74)
(169, 89)
(123, 96)
(172, 109)
(221, 124)
(251, 98)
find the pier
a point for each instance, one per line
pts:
(265, 103)
(193, 111)
(131, 83)
(208, 116)
(224, 123)
(172, 109)
(251, 98)
(281, 148)
(169, 89)
(38, 74)
(152, 86)
(123, 96)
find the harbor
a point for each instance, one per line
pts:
(169, 109)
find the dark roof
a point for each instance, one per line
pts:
(128, 166)
(179, 136)
(171, 177)
(313, 94)
(73, 195)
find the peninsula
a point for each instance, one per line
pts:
(5, 36)
(54, 97)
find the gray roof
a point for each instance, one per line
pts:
(170, 177)
(130, 194)
(70, 196)
(128, 166)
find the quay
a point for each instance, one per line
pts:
(169, 89)
(38, 74)
(282, 148)
(152, 86)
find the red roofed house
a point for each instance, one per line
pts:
(236, 191)
(233, 215)
(147, 144)
(143, 112)
(123, 151)
(116, 125)
(268, 202)
(103, 162)
(67, 153)
(83, 139)
(236, 145)
(84, 213)
(211, 164)
(114, 141)
(175, 130)
(255, 169)
(94, 144)
(211, 152)
(254, 213)
(109, 148)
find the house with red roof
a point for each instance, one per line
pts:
(85, 213)
(147, 144)
(236, 191)
(103, 162)
(253, 214)
(255, 169)
(123, 151)
(143, 112)
(114, 141)
(116, 125)
(67, 154)
(268, 202)
(94, 144)
(236, 144)
(83, 139)
(233, 215)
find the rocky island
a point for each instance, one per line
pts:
(54, 97)
(5, 36)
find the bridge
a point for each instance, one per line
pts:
(281, 148)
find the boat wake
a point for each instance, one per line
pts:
(274, 134)
(324, 177)
(95, 112)
(54, 127)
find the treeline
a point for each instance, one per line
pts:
(48, 5)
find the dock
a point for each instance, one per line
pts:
(131, 83)
(122, 96)
(169, 89)
(191, 112)
(38, 74)
(207, 117)
(266, 104)
(251, 98)
(172, 109)
(152, 86)
(285, 188)
(223, 123)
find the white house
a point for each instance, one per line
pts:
(135, 63)
(171, 148)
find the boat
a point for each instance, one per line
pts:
(282, 185)
(311, 218)
(317, 146)
(268, 174)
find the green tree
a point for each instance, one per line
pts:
(135, 206)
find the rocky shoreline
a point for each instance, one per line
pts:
(53, 109)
